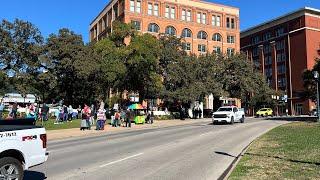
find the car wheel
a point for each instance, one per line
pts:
(232, 120)
(11, 168)
(242, 119)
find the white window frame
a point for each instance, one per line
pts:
(167, 12)
(156, 9)
(218, 21)
(150, 8)
(202, 48)
(204, 18)
(189, 15)
(183, 15)
(138, 6)
(214, 20)
(132, 6)
(198, 17)
(172, 12)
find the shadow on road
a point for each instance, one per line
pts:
(225, 154)
(33, 175)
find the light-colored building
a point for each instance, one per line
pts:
(206, 27)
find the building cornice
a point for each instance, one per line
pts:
(306, 11)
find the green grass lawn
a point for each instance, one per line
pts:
(49, 125)
(291, 151)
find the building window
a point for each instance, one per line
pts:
(279, 32)
(156, 10)
(281, 69)
(216, 20)
(186, 46)
(138, 8)
(231, 23)
(255, 52)
(188, 15)
(150, 8)
(282, 82)
(199, 18)
(267, 49)
(167, 12)
(170, 31)
(186, 33)
(217, 49)
(231, 39)
(266, 36)
(230, 51)
(268, 72)
(136, 25)
(202, 48)
(170, 12)
(280, 45)
(153, 28)
(202, 35)
(204, 18)
(183, 15)
(217, 37)
(267, 60)
(255, 40)
(281, 57)
(173, 12)
(132, 7)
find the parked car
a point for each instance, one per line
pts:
(228, 114)
(264, 112)
(23, 145)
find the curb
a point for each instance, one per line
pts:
(225, 175)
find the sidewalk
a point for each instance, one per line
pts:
(75, 132)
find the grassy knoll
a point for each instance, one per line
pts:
(291, 151)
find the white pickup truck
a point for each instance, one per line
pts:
(228, 114)
(22, 145)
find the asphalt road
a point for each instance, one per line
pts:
(196, 151)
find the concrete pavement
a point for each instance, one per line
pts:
(192, 151)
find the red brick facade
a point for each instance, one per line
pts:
(282, 49)
(180, 14)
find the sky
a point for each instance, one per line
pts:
(51, 15)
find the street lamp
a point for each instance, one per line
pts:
(316, 76)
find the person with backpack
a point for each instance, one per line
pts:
(116, 119)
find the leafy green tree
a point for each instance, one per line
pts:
(21, 46)
(310, 83)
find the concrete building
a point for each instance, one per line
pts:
(206, 27)
(282, 49)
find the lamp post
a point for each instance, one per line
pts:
(316, 76)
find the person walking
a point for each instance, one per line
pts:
(116, 118)
(79, 112)
(65, 113)
(86, 112)
(14, 110)
(129, 118)
(123, 117)
(92, 114)
(101, 118)
(1, 108)
(151, 117)
(70, 112)
(44, 112)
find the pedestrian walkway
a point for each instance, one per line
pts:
(75, 132)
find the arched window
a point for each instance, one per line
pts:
(217, 37)
(186, 33)
(170, 31)
(153, 27)
(202, 35)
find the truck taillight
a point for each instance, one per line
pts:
(43, 138)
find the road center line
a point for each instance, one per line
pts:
(113, 162)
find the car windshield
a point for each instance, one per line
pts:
(263, 109)
(225, 109)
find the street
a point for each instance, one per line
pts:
(195, 151)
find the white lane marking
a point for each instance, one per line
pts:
(113, 162)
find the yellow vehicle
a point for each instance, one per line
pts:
(265, 112)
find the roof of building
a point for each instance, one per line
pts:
(177, 1)
(279, 20)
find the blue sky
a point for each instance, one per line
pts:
(51, 15)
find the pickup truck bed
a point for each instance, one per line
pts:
(17, 127)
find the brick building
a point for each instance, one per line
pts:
(282, 49)
(206, 27)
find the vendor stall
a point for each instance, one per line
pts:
(139, 113)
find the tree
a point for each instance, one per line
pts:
(21, 46)
(73, 65)
(309, 82)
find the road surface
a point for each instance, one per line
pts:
(196, 151)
